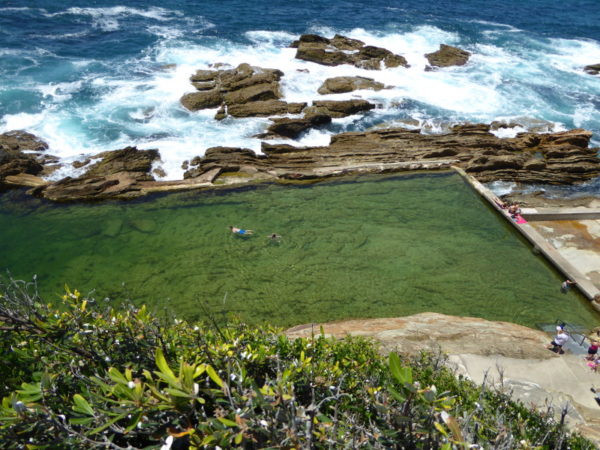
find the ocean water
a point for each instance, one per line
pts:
(89, 76)
(370, 246)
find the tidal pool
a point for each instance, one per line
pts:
(360, 247)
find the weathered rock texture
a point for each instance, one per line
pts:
(555, 158)
(250, 91)
(511, 357)
(448, 56)
(116, 175)
(432, 331)
(13, 161)
(337, 109)
(592, 69)
(343, 50)
(340, 85)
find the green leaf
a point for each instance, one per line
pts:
(117, 376)
(401, 374)
(80, 420)
(396, 395)
(82, 406)
(213, 376)
(164, 368)
(227, 422)
(238, 438)
(108, 424)
(177, 393)
(440, 428)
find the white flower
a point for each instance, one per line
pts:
(432, 388)
(131, 385)
(107, 359)
(196, 328)
(445, 416)
(264, 423)
(20, 407)
(232, 376)
(196, 388)
(167, 444)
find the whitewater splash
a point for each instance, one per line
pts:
(82, 106)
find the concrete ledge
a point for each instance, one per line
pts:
(585, 286)
(543, 214)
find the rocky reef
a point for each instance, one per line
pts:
(249, 91)
(555, 158)
(592, 69)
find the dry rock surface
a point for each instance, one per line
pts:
(344, 50)
(556, 158)
(447, 56)
(511, 357)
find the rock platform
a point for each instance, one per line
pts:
(511, 357)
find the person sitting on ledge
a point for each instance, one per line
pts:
(514, 209)
(240, 231)
(559, 340)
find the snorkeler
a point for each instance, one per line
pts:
(240, 231)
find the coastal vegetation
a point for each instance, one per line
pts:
(82, 374)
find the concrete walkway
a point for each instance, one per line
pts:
(557, 381)
(569, 238)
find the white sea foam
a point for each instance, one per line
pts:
(139, 105)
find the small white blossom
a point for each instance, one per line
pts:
(264, 423)
(196, 388)
(445, 416)
(131, 385)
(432, 388)
(167, 444)
(107, 359)
(232, 376)
(196, 328)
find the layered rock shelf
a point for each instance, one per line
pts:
(249, 91)
(555, 158)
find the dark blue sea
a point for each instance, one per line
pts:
(89, 76)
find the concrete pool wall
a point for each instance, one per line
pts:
(573, 264)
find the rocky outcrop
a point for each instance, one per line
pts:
(558, 158)
(265, 109)
(116, 175)
(230, 87)
(341, 85)
(432, 331)
(505, 356)
(337, 109)
(554, 158)
(592, 69)
(447, 56)
(12, 159)
(344, 50)
(292, 128)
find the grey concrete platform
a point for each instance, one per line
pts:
(569, 238)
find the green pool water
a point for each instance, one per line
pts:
(351, 248)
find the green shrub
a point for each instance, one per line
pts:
(81, 374)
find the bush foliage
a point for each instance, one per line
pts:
(81, 374)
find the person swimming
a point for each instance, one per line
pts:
(240, 231)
